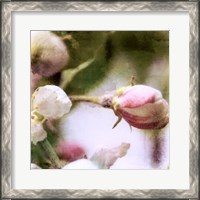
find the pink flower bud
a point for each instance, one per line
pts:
(142, 107)
(70, 151)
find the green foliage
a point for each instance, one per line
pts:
(90, 76)
(140, 48)
(38, 155)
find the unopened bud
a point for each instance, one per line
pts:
(51, 102)
(48, 53)
(141, 106)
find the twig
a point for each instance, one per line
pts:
(104, 101)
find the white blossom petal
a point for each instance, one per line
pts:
(106, 157)
(51, 101)
(37, 132)
(81, 164)
(34, 166)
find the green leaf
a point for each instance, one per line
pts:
(68, 75)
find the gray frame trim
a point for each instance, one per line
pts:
(6, 154)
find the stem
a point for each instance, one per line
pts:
(104, 101)
(50, 152)
(91, 99)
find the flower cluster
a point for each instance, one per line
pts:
(48, 102)
(141, 106)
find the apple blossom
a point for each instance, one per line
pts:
(70, 151)
(37, 132)
(141, 106)
(48, 53)
(51, 102)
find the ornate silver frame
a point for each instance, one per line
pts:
(7, 7)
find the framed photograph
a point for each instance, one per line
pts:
(99, 99)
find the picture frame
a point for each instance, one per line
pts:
(7, 155)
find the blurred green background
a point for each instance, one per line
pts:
(140, 49)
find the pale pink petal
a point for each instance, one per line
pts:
(138, 95)
(142, 107)
(70, 151)
(106, 157)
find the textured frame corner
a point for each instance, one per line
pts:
(6, 154)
